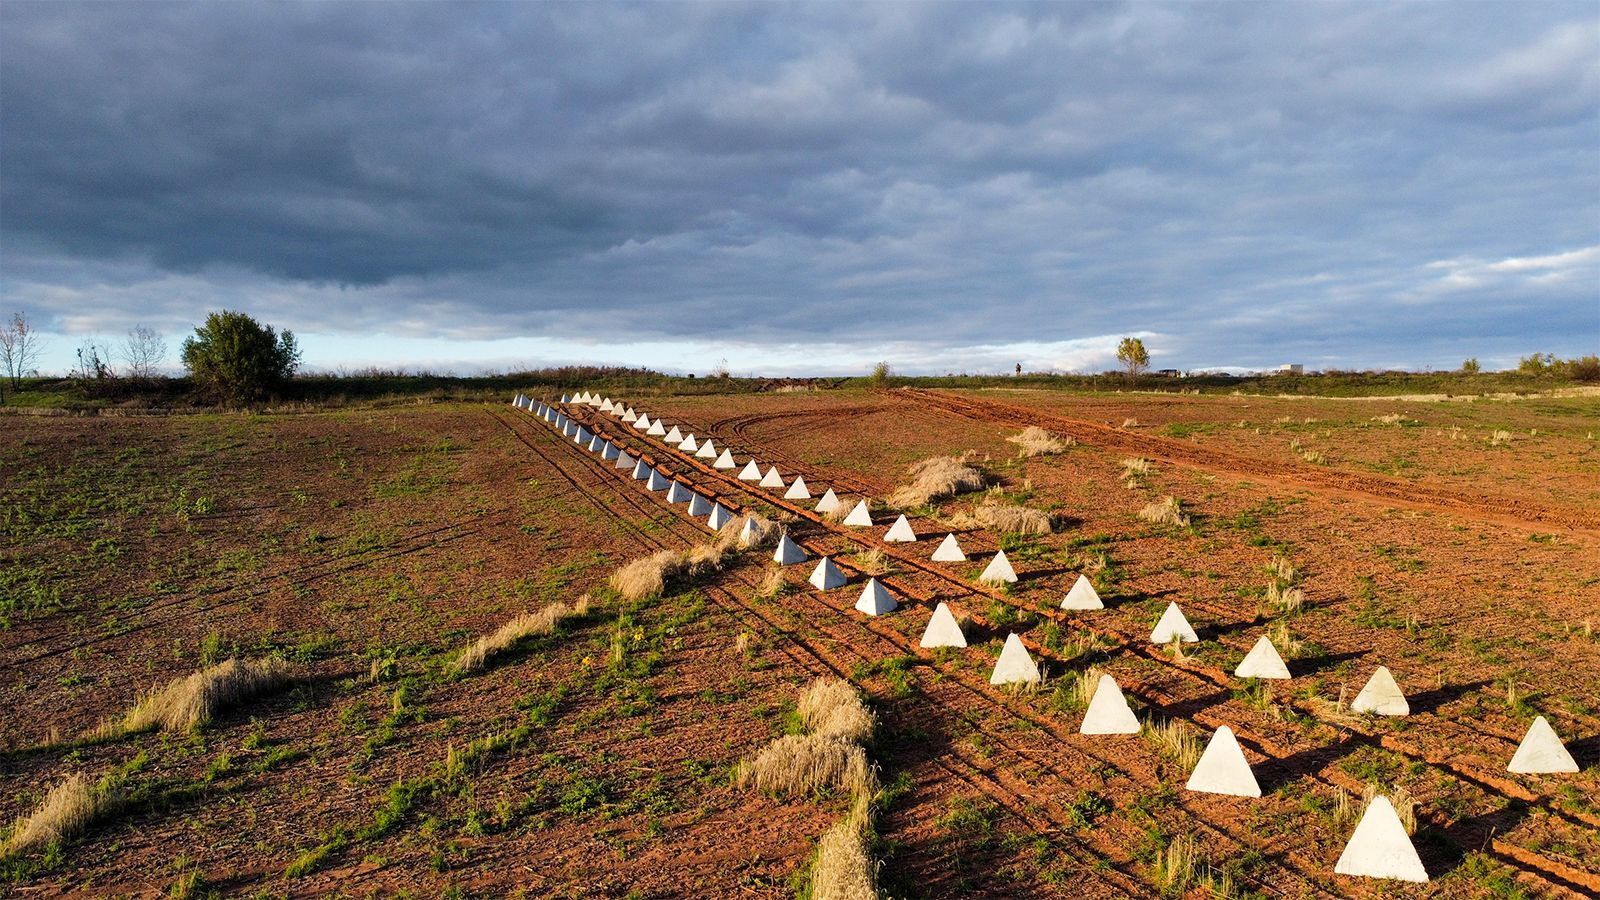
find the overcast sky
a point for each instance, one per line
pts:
(811, 187)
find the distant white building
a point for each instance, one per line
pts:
(1291, 369)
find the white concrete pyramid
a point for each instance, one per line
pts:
(1262, 661)
(1381, 696)
(629, 415)
(675, 436)
(861, 516)
(569, 428)
(826, 576)
(657, 481)
(1222, 768)
(617, 410)
(698, 505)
(875, 599)
(798, 490)
(565, 399)
(608, 451)
(624, 461)
(687, 445)
(949, 550)
(772, 479)
(1082, 596)
(1380, 847)
(1173, 625)
(583, 397)
(788, 552)
(1108, 711)
(828, 503)
(677, 493)
(900, 532)
(641, 471)
(542, 410)
(748, 534)
(642, 423)
(561, 421)
(596, 443)
(725, 461)
(1014, 665)
(999, 570)
(656, 429)
(718, 517)
(1541, 752)
(943, 630)
(707, 450)
(606, 405)
(750, 472)
(583, 436)
(549, 414)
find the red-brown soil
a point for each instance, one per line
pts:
(338, 538)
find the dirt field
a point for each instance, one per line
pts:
(1457, 543)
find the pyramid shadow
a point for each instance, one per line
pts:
(1210, 632)
(1430, 701)
(1444, 848)
(1112, 601)
(1310, 665)
(1186, 709)
(1275, 773)
(1586, 751)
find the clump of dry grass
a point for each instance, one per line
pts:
(647, 576)
(66, 810)
(1036, 441)
(1084, 684)
(763, 532)
(871, 560)
(192, 700)
(1288, 646)
(830, 707)
(1130, 423)
(935, 479)
(1284, 570)
(772, 584)
(1136, 467)
(1015, 519)
(744, 643)
(1175, 866)
(1501, 437)
(523, 625)
(1166, 511)
(1284, 600)
(798, 765)
(1175, 740)
(843, 868)
(843, 508)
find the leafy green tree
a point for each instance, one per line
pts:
(1134, 358)
(239, 360)
(880, 375)
(1470, 366)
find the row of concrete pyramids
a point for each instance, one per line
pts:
(1379, 847)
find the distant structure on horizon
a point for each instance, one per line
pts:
(1291, 369)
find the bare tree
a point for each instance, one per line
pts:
(143, 350)
(20, 346)
(94, 361)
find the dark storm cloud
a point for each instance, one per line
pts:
(1246, 180)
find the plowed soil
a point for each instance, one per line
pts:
(368, 547)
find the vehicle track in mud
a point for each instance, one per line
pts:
(1551, 873)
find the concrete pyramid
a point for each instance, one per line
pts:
(725, 461)
(1082, 596)
(826, 576)
(549, 414)
(583, 397)
(1173, 625)
(875, 599)
(750, 472)
(1380, 847)
(1541, 752)
(565, 399)
(583, 436)
(629, 415)
(707, 450)
(943, 630)
(569, 428)
(617, 410)
(698, 505)
(1381, 696)
(608, 451)
(1222, 768)
(1108, 711)
(949, 551)
(624, 461)
(828, 503)
(596, 444)
(606, 405)
(642, 423)
(657, 481)
(999, 570)
(798, 490)
(674, 437)
(900, 532)
(1014, 665)
(656, 429)
(641, 471)
(541, 410)
(861, 516)
(748, 535)
(718, 517)
(772, 479)
(1262, 661)
(561, 421)
(687, 445)
(677, 493)
(788, 552)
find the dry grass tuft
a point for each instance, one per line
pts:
(66, 810)
(1500, 438)
(799, 765)
(764, 532)
(1014, 519)
(1287, 645)
(1130, 423)
(1166, 511)
(647, 576)
(1285, 600)
(1136, 467)
(1084, 684)
(744, 643)
(544, 621)
(772, 584)
(843, 868)
(1175, 740)
(831, 708)
(935, 479)
(846, 504)
(191, 701)
(1284, 570)
(871, 560)
(1036, 441)
(1175, 866)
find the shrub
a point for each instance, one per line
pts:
(236, 359)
